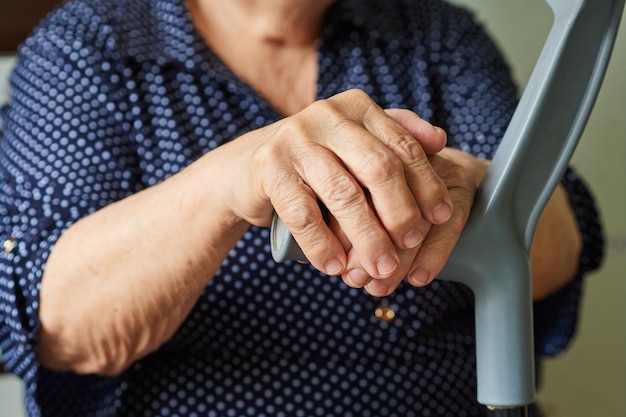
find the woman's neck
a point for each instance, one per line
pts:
(270, 44)
(271, 22)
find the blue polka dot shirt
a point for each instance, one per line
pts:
(112, 96)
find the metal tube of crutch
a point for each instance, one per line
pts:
(492, 255)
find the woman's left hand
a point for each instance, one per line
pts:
(555, 250)
(462, 173)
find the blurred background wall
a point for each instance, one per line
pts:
(590, 378)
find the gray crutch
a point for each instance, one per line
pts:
(492, 255)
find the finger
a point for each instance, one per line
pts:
(297, 154)
(356, 276)
(298, 209)
(440, 242)
(344, 179)
(432, 138)
(359, 277)
(379, 287)
(344, 197)
(382, 288)
(405, 191)
(429, 191)
(477, 168)
(404, 139)
(296, 203)
(320, 169)
(433, 255)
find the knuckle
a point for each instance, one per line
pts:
(293, 128)
(341, 192)
(455, 175)
(409, 149)
(266, 163)
(380, 167)
(358, 96)
(423, 168)
(327, 109)
(359, 100)
(320, 106)
(299, 218)
(332, 116)
(306, 224)
(265, 155)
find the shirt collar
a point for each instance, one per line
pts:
(169, 36)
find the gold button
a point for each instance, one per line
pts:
(8, 245)
(385, 313)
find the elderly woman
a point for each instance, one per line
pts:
(148, 144)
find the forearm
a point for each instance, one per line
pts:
(136, 268)
(556, 246)
(119, 282)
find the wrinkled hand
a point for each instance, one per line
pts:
(369, 167)
(462, 173)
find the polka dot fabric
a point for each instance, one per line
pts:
(113, 96)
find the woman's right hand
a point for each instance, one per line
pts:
(136, 268)
(368, 166)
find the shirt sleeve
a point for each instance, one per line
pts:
(63, 155)
(476, 99)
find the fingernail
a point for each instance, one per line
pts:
(357, 278)
(413, 239)
(386, 265)
(334, 267)
(442, 213)
(378, 289)
(419, 278)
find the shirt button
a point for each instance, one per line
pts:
(385, 313)
(8, 245)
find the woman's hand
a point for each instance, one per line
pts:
(370, 168)
(462, 173)
(555, 249)
(137, 267)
